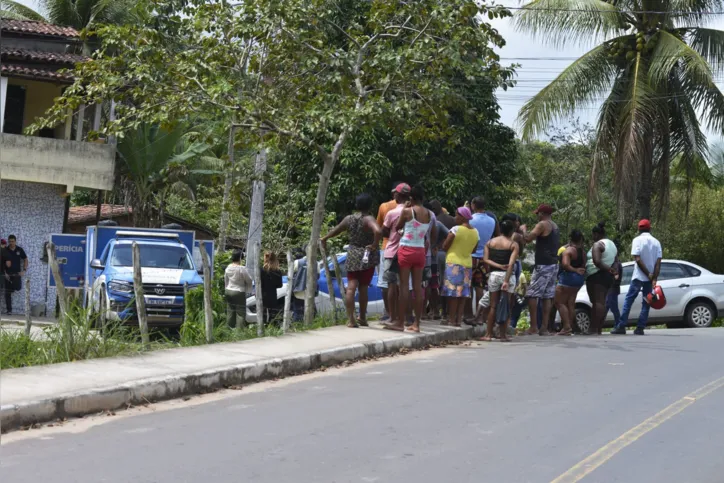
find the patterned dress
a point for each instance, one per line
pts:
(359, 240)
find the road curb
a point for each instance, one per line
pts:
(174, 386)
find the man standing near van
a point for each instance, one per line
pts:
(647, 252)
(16, 264)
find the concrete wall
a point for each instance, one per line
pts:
(56, 161)
(32, 211)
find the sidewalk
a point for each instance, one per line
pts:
(44, 393)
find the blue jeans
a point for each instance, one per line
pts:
(612, 305)
(634, 289)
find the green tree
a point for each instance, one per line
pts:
(152, 165)
(656, 65)
(316, 73)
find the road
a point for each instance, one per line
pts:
(530, 411)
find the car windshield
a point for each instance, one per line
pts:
(153, 256)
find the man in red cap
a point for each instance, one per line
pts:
(390, 271)
(543, 280)
(381, 214)
(647, 252)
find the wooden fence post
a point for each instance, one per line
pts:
(186, 302)
(257, 291)
(208, 309)
(140, 300)
(28, 319)
(62, 294)
(330, 282)
(290, 294)
(338, 274)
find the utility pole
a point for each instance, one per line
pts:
(256, 218)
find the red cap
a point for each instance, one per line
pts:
(403, 189)
(644, 225)
(545, 209)
(3, 241)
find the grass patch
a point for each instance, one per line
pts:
(76, 339)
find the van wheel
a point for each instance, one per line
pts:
(100, 317)
(582, 322)
(700, 314)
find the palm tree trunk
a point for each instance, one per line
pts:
(643, 199)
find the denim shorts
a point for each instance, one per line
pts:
(571, 279)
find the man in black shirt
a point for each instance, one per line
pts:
(16, 263)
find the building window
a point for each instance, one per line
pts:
(14, 109)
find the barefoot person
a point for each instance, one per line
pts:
(460, 244)
(500, 255)
(543, 280)
(599, 275)
(390, 268)
(570, 280)
(414, 222)
(381, 214)
(362, 255)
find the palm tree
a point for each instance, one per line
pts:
(153, 163)
(18, 11)
(82, 14)
(655, 65)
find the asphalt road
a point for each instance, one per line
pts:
(530, 411)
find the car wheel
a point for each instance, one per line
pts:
(583, 320)
(700, 314)
(100, 320)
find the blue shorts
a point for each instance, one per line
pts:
(571, 279)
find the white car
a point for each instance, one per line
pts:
(375, 305)
(694, 297)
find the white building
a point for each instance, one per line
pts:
(38, 173)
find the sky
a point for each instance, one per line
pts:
(539, 64)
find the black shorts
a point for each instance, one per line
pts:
(600, 278)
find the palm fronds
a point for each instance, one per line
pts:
(18, 11)
(560, 22)
(580, 83)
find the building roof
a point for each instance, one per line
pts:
(87, 213)
(29, 72)
(35, 28)
(27, 55)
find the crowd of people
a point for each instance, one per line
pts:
(465, 268)
(13, 265)
(433, 264)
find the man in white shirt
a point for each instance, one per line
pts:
(647, 252)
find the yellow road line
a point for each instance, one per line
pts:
(586, 466)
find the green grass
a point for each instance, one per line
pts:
(76, 340)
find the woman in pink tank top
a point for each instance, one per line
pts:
(415, 222)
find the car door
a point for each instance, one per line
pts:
(677, 284)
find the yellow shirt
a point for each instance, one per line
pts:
(463, 246)
(561, 250)
(382, 212)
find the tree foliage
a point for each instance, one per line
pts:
(656, 65)
(315, 73)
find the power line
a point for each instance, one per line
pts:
(613, 12)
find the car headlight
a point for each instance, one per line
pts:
(120, 287)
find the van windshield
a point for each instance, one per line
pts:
(153, 256)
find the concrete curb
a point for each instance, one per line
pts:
(178, 385)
